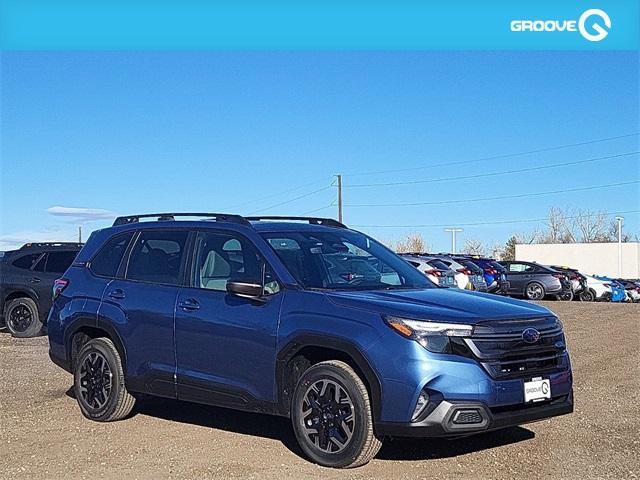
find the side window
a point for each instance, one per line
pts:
(519, 268)
(108, 259)
(157, 255)
(27, 261)
(58, 262)
(223, 257)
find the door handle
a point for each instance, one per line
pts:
(34, 280)
(189, 305)
(118, 294)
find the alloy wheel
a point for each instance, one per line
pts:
(327, 416)
(20, 318)
(535, 292)
(96, 380)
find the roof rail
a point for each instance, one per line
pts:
(163, 217)
(51, 244)
(328, 222)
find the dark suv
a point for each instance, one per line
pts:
(26, 280)
(535, 281)
(304, 318)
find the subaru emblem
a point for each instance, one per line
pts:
(530, 335)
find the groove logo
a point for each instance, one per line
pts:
(590, 28)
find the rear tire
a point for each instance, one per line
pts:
(332, 417)
(587, 296)
(99, 382)
(22, 318)
(534, 291)
(565, 297)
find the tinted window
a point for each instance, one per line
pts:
(438, 264)
(26, 261)
(156, 257)
(58, 262)
(223, 257)
(107, 261)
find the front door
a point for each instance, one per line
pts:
(226, 345)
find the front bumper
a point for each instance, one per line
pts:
(448, 418)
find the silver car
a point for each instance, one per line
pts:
(435, 269)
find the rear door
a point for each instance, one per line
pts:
(226, 345)
(518, 275)
(141, 307)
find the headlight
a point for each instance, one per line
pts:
(431, 335)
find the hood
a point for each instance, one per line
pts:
(440, 304)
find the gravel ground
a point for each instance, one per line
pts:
(44, 436)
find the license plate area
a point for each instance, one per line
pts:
(538, 389)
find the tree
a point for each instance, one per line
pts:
(412, 243)
(473, 246)
(509, 252)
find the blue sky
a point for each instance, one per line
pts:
(241, 132)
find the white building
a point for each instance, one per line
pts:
(589, 258)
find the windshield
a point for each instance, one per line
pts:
(343, 260)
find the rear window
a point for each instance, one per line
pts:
(470, 265)
(58, 262)
(438, 264)
(27, 261)
(108, 259)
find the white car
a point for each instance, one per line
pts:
(434, 269)
(600, 288)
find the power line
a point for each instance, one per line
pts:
(277, 194)
(317, 209)
(291, 200)
(499, 222)
(492, 174)
(501, 197)
(495, 157)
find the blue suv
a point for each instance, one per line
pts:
(303, 318)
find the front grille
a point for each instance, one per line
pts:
(500, 348)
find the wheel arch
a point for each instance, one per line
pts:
(85, 329)
(306, 350)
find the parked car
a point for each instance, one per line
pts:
(534, 281)
(617, 293)
(26, 280)
(632, 289)
(435, 270)
(494, 273)
(601, 290)
(473, 272)
(242, 312)
(579, 288)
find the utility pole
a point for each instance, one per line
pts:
(79, 233)
(453, 231)
(339, 185)
(619, 220)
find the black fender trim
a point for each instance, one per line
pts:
(91, 323)
(334, 343)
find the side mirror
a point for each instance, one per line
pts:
(252, 291)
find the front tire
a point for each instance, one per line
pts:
(22, 318)
(99, 382)
(332, 417)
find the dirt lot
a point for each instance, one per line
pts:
(43, 435)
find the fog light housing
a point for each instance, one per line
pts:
(423, 401)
